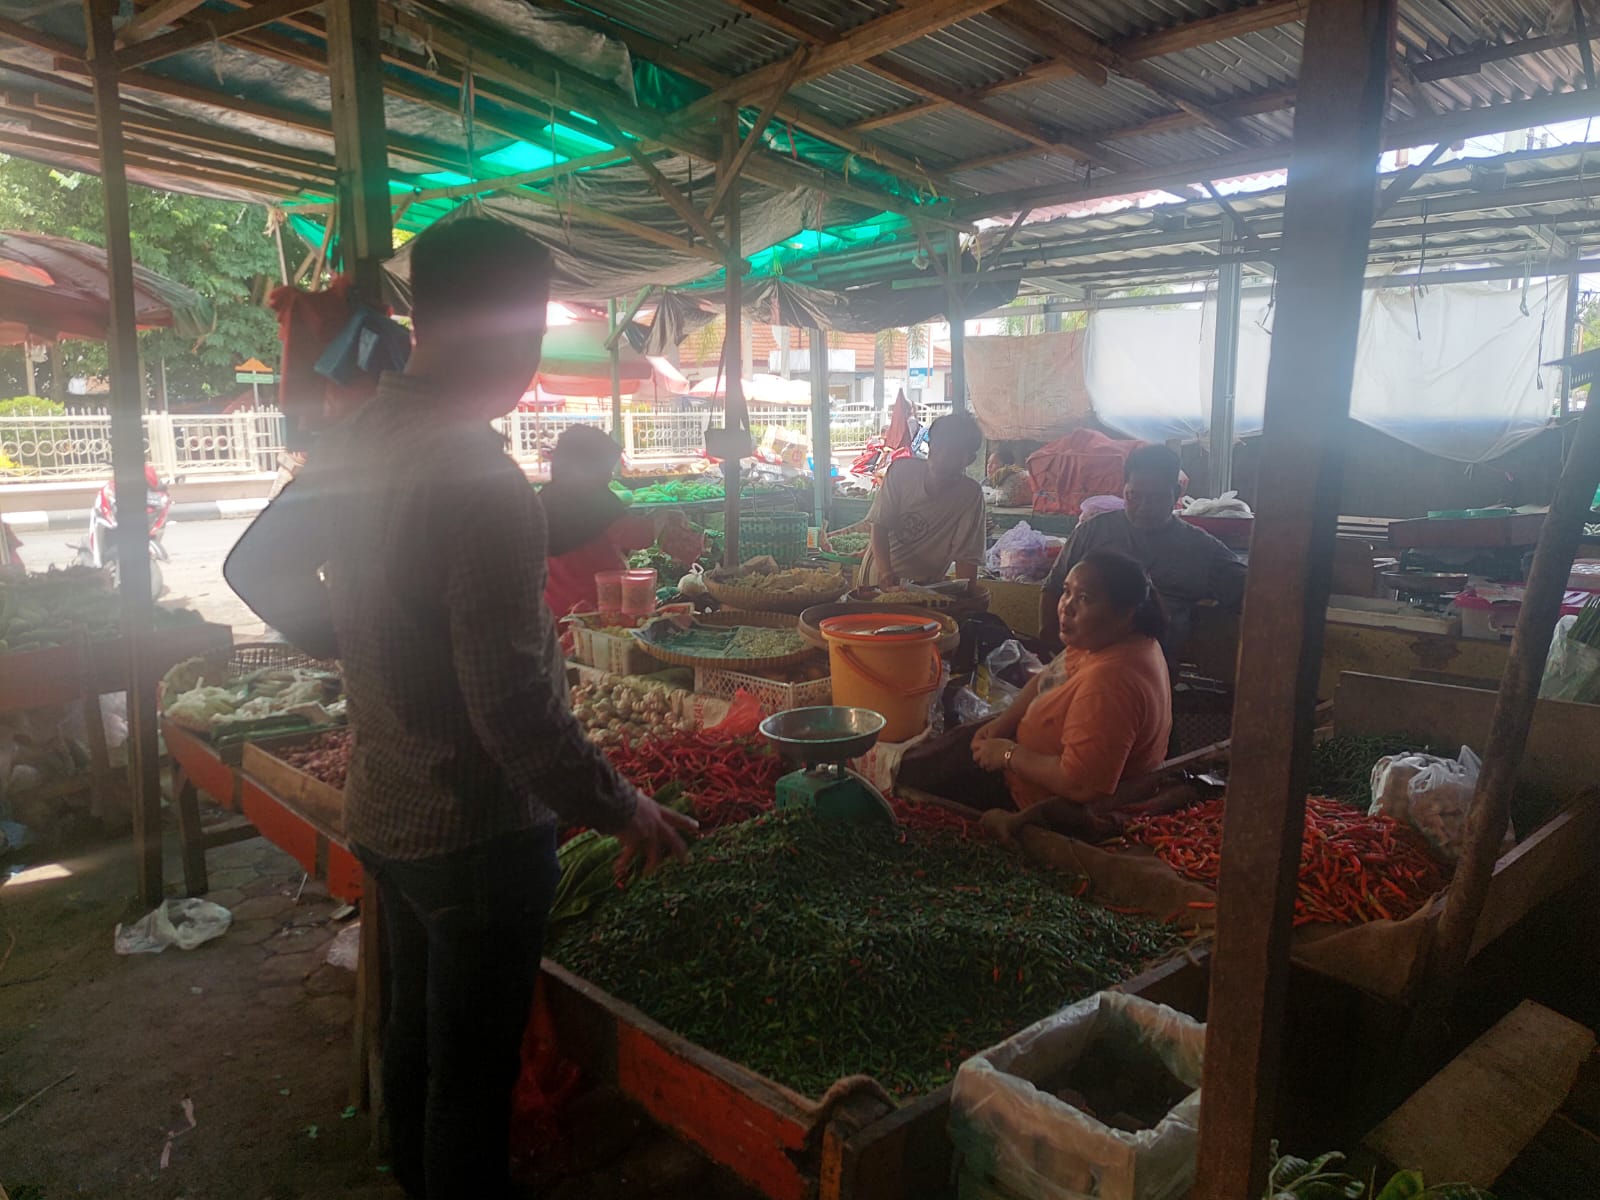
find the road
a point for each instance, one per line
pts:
(193, 576)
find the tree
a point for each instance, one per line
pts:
(219, 248)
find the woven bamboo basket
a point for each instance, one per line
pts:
(755, 600)
(760, 620)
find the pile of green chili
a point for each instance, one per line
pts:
(1341, 766)
(810, 950)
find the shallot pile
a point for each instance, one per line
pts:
(325, 757)
(617, 714)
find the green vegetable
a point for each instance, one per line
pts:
(809, 950)
(1291, 1178)
(1341, 766)
(621, 493)
(587, 862)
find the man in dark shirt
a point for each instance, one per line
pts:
(413, 548)
(1187, 565)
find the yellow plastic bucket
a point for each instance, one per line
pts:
(887, 663)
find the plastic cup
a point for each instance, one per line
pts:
(639, 592)
(608, 590)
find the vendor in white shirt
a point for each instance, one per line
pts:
(928, 513)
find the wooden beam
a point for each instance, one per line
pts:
(52, 151)
(1040, 135)
(360, 148)
(664, 187)
(28, 36)
(1344, 78)
(868, 40)
(648, 233)
(1494, 118)
(564, 89)
(1079, 46)
(127, 455)
(1207, 30)
(728, 178)
(1470, 62)
(697, 69)
(1185, 36)
(72, 128)
(620, 327)
(200, 30)
(145, 22)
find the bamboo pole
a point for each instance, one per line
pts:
(616, 372)
(1519, 693)
(127, 453)
(736, 415)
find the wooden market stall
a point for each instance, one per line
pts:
(889, 113)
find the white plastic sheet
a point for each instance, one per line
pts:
(185, 923)
(1008, 1128)
(1469, 389)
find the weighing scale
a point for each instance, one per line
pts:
(824, 738)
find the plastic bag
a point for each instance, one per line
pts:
(1430, 794)
(345, 949)
(1226, 505)
(1021, 554)
(1005, 672)
(1008, 1125)
(1572, 669)
(182, 923)
(971, 708)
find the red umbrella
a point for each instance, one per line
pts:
(54, 287)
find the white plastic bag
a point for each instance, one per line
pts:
(182, 923)
(1572, 669)
(1430, 794)
(345, 949)
(1009, 1128)
(1021, 553)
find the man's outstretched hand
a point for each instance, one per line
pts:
(653, 829)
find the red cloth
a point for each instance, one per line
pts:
(901, 419)
(569, 583)
(307, 323)
(1071, 469)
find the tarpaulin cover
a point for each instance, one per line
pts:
(1469, 388)
(1028, 388)
(1068, 471)
(54, 287)
(596, 262)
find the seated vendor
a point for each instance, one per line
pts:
(588, 528)
(1098, 715)
(1186, 564)
(928, 513)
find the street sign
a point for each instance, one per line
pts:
(921, 376)
(255, 377)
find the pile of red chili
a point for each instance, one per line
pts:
(1353, 868)
(728, 779)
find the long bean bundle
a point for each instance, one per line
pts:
(810, 950)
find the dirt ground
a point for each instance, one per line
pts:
(252, 1030)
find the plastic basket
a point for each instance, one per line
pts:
(775, 695)
(610, 653)
(266, 656)
(780, 534)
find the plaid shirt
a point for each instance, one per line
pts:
(432, 544)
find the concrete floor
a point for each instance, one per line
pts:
(193, 577)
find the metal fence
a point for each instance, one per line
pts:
(77, 445)
(656, 435)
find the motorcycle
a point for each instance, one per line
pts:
(99, 548)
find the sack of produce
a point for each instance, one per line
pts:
(1099, 1100)
(1572, 669)
(1430, 794)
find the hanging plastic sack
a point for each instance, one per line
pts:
(182, 923)
(1572, 669)
(1430, 794)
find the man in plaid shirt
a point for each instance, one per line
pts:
(413, 549)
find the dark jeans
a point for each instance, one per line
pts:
(462, 933)
(943, 766)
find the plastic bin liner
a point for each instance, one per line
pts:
(1019, 1135)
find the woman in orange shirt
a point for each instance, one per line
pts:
(1098, 715)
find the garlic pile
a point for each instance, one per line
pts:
(617, 713)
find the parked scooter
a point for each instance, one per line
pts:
(99, 549)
